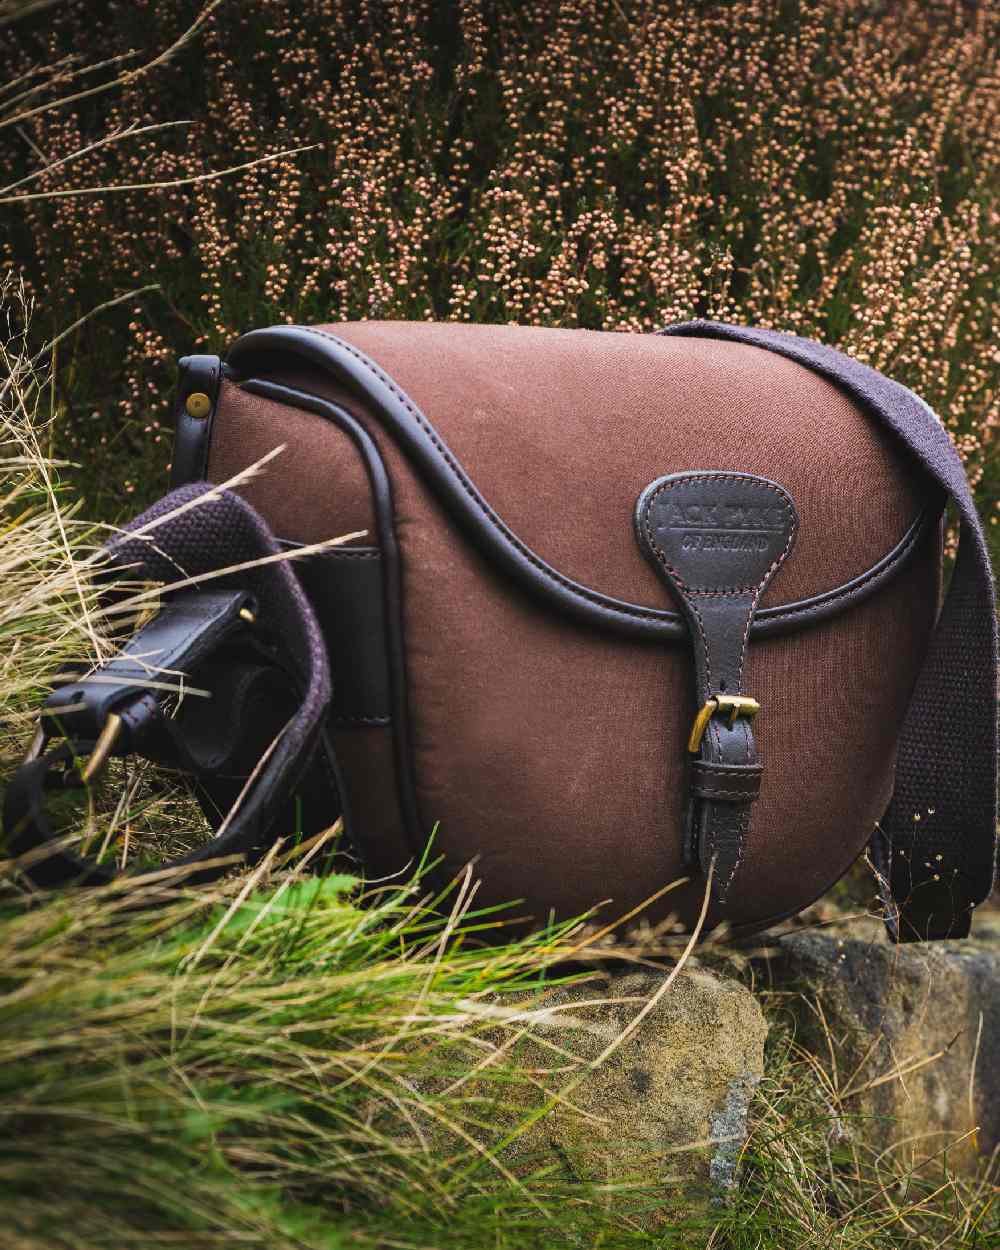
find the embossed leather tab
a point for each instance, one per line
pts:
(717, 539)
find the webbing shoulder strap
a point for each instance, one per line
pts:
(936, 845)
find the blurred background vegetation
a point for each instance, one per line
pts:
(827, 168)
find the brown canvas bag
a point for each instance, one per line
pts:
(620, 609)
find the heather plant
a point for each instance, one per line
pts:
(832, 169)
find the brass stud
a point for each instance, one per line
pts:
(198, 405)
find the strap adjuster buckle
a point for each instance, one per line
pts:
(735, 704)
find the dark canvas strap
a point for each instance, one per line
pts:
(250, 642)
(936, 845)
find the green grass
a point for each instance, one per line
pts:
(248, 1069)
(217, 1072)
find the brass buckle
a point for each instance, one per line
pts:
(735, 704)
(97, 758)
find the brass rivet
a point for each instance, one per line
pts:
(198, 405)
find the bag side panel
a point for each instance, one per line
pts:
(318, 488)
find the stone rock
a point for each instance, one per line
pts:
(669, 1104)
(910, 1036)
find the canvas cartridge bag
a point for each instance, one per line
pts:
(618, 610)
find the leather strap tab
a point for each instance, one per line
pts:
(725, 783)
(198, 376)
(717, 539)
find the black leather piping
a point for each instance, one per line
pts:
(494, 537)
(385, 527)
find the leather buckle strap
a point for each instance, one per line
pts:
(119, 706)
(717, 539)
(725, 783)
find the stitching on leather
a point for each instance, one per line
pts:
(754, 592)
(725, 772)
(746, 726)
(343, 553)
(744, 786)
(742, 830)
(662, 557)
(713, 730)
(582, 592)
(724, 477)
(743, 647)
(749, 789)
(720, 794)
(704, 642)
(918, 531)
(719, 594)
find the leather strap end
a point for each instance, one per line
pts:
(725, 783)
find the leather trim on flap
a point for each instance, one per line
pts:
(256, 352)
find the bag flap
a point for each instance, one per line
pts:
(543, 439)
